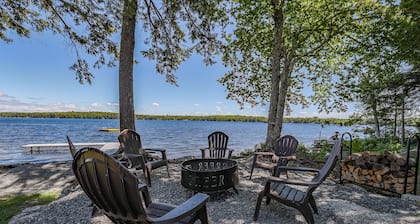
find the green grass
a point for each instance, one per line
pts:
(13, 205)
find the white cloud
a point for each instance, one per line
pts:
(218, 109)
(196, 104)
(155, 104)
(96, 105)
(112, 104)
(12, 104)
(4, 97)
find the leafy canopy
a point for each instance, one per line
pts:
(317, 34)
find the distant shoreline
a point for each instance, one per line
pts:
(240, 118)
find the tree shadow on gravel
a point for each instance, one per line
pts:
(36, 178)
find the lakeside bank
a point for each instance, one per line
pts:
(336, 203)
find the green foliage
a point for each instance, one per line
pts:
(318, 156)
(88, 24)
(247, 152)
(11, 206)
(301, 148)
(376, 144)
(406, 35)
(315, 40)
(110, 115)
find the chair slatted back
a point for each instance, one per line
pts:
(329, 164)
(130, 142)
(111, 187)
(286, 146)
(218, 142)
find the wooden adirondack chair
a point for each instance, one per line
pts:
(286, 192)
(119, 195)
(217, 148)
(138, 157)
(284, 151)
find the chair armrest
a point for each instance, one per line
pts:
(155, 149)
(287, 157)
(263, 153)
(131, 155)
(183, 210)
(292, 182)
(303, 169)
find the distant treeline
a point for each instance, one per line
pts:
(112, 115)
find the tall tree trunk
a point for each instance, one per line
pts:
(376, 121)
(377, 126)
(395, 122)
(275, 74)
(403, 119)
(127, 116)
(283, 87)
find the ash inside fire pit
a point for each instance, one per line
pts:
(209, 175)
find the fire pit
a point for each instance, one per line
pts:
(209, 175)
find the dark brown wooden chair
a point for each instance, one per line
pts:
(139, 157)
(217, 148)
(286, 192)
(119, 195)
(72, 148)
(284, 151)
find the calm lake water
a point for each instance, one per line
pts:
(180, 138)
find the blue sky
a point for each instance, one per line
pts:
(34, 76)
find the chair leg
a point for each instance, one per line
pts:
(146, 173)
(313, 204)
(252, 170)
(258, 206)
(167, 168)
(307, 213)
(202, 215)
(254, 160)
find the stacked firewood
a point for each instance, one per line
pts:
(381, 170)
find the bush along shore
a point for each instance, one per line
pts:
(111, 115)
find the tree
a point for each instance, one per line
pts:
(276, 45)
(91, 24)
(378, 81)
(406, 37)
(125, 72)
(368, 85)
(164, 23)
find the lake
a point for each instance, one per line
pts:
(180, 138)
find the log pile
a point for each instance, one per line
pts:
(381, 170)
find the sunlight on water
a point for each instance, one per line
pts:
(180, 138)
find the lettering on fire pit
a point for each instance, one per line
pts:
(209, 175)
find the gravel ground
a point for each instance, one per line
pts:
(336, 203)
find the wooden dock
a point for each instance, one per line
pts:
(104, 146)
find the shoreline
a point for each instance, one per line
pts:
(336, 203)
(226, 117)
